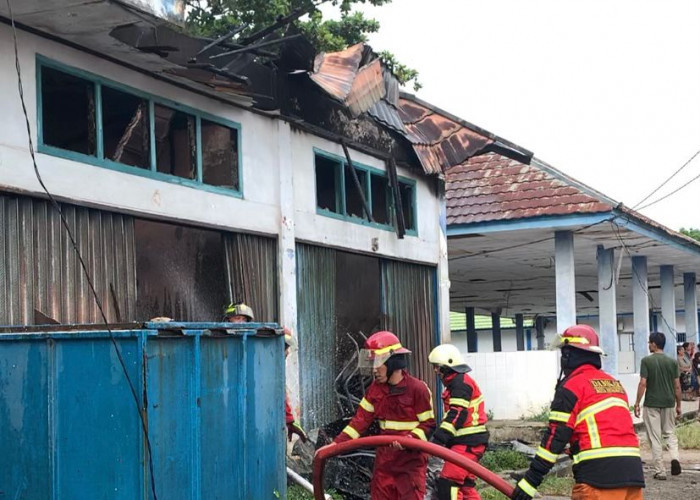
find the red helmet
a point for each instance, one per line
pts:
(581, 337)
(379, 347)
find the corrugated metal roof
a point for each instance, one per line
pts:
(493, 187)
(335, 72)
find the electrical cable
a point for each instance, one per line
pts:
(64, 222)
(671, 193)
(664, 183)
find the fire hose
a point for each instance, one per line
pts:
(409, 443)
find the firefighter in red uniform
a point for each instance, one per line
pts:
(463, 428)
(590, 411)
(402, 405)
(293, 427)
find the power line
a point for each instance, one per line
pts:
(64, 222)
(664, 183)
(669, 194)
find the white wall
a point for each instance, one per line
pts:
(515, 384)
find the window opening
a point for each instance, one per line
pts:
(380, 190)
(125, 128)
(219, 155)
(353, 200)
(68, 112)
(407, 205)
(327, 184)
(176, 142)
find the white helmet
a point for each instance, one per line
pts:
(448, 356)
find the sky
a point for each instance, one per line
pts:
(608, 92)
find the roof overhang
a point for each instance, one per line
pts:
(509, 266)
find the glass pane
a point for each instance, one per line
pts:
(125, 128)
(68, 112)
(353, 202)
(380, 191)
(176, 142)
(219, 155)
(407, 205)
(327, 184)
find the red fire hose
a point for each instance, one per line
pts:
(412, 444)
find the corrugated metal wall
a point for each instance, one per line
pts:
(251, 262)
(316, 286)
(410, 306)
(39, 268)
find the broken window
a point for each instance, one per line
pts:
(181, 272)
(125, 128)
(176, 142)
(353, 200)
(328, 184)
(219, 155)
(380, 192)
(68, 112)
(407, 204)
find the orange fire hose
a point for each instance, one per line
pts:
(412, 444)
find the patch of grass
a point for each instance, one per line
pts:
(541, 415)
(492, 494)
(499, 460)
(689, 436)
(553, 485)
(296, 492)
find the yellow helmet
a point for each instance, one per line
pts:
(448, 355)
(239, 309)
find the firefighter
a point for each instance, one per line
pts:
(402, 406)
(463, 428)
(293, 427)
(238, 312)
(590, 412)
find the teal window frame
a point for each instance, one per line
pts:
(341, 193)
(99, 160)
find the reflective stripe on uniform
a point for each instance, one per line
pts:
(395, 425)
(367, 405)
(419, 433)
(454, 492)
(389, 348)
(619, 451)
(426, 415)
(600, 406)
(351, 432)
(559, 416)
(593, 433)
(527, 487)
(546, 455)
(464, 403)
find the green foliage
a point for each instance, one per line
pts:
(500, 460)
(552, 485)
(214, 18)
(296, 492)
(489, 414)
(541, 415)
(692, 232)
(689, 436)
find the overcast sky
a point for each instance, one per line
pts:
(606, 91)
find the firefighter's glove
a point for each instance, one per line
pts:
(440, 437)
(295, 428)
(523, 491)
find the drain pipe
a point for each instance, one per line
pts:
(304, 483)
(322, 454)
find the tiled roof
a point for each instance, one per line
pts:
(492, 187)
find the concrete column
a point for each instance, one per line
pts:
(565, 279)
(691, 307)
(519, 332)
(443, 269)
(286, 255)
(539, 328)
(640, 309)
(667, 321)
(607, 308)
(472, 338)
(496, 331)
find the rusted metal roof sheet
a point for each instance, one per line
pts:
(493, 187)
(335, 72)
(367, 88)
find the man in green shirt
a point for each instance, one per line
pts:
(659, 379)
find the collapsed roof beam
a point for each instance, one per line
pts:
(356, 180)
(249, 48)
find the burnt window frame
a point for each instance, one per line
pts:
(99, 159)
(340, 165)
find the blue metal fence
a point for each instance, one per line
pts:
(212, 397)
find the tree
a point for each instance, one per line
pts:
(692, 232)
(215, 18)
